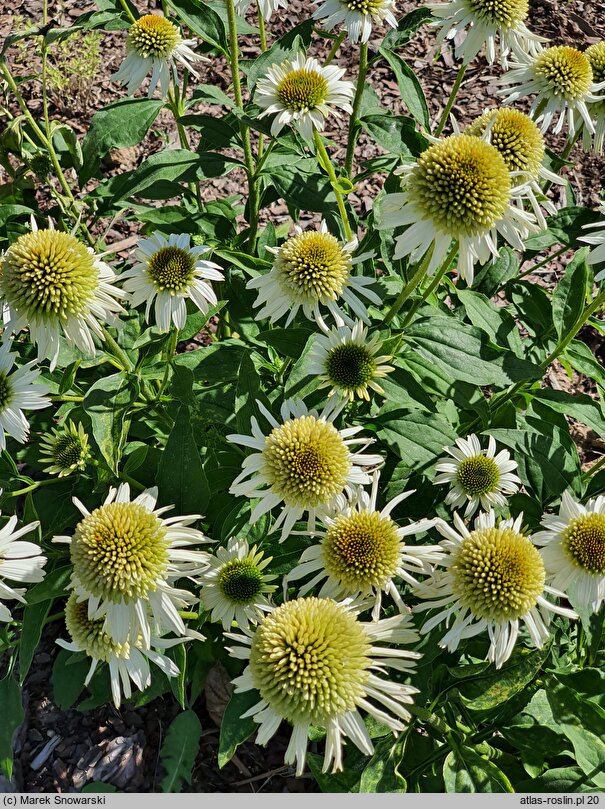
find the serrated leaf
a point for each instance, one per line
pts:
(106, 402)
(181, 478)
(464, 770)
(409, 87)
(202, 20)
(179, 751)
(570, 294)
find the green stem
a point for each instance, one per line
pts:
(118, 352)
(544, 261)
(326, 163)
(261, 28)
(32, 488)
(432, 286)
(132, 482)
(594, 469)
(129, 13)
(409, 287)
(353, 120)
(170, 352)
(337, 43)
(175, 103)
(46, 139)
(451, 100)
(569, 144)
(253, 199)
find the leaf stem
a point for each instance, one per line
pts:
(409, 287)
(432, 286)
(337, 43)
(451, 100)
(253, 200)
(326, 163)
(353, 120)
(129, 13)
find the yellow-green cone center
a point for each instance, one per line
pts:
(171, 268)
(302, 90)
(306, 462)
(350, 366)
(309, 660)
(515, 136)
(499, 13)
(596, 56)
(68, 452)
(361, 551)
(584, 542)
(240, 581)
(566, 71)
(462, 185)
(498, 574)
(364, 6)
(478, 475)
(6, 393)
(89, 635)
(313, 267)
(48, 274)
(120, 551)
(152, 36)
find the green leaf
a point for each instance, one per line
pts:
(12, 717)
(464, 353)
(202, 20)
(464, 770)
(381, 773)
(67, 679)
(570, 294)
(107, 402)
(417, 438)
(395, 133)
(117, 126)
(495, 321)
(582, 360)
(54, 585)
(179, 751)
(409, 87)
(34, 616)
(558, 779)
(495, 687)
(98, 786)
(346, 781)
(494, 275)
(234, 729)
(590, 752)
(181, 478)
(303, 190)
(548, 462)
(406, 28)
(579, 406)
(289, 342)
(568, 224)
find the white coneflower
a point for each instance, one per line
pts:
(347, 360)
(51, 284)
(235, 586)
(362, 550)
(485, 23)
(303, 93)
(19, 391)
(357, 17)
(477, 476)
(169, 271)
(267, 7)
(305, 463)
(155, 44)
(125, 556)
(562, 81)
(20, 562)
(458, 189)
(493, 580)
(596, 56)
(573, 548)
(65, 449)
(313, 270)
(126, 661)
(597, 254)
(313, 663)
(521, 144)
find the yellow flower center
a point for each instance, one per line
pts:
(309, 660)
(566, 71)
(515, 136)
(361, 551)
(596, 56)
(171, 268)
(478, 475)
(462, 184)
(120, 551)
(154, 37)
(306, 462)
(89, 635)
(313, 267)
(302, 90)
(48, 274)
(498, 574)
(364, 6)
(500, 13)
(6, 392)
(584, 542)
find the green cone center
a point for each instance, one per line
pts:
(478, 475)
(240, 581)
(350, 366)
(171, 268)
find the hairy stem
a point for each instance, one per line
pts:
(326, 163)
(353, 120)
(451, 100)
(409, 287)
